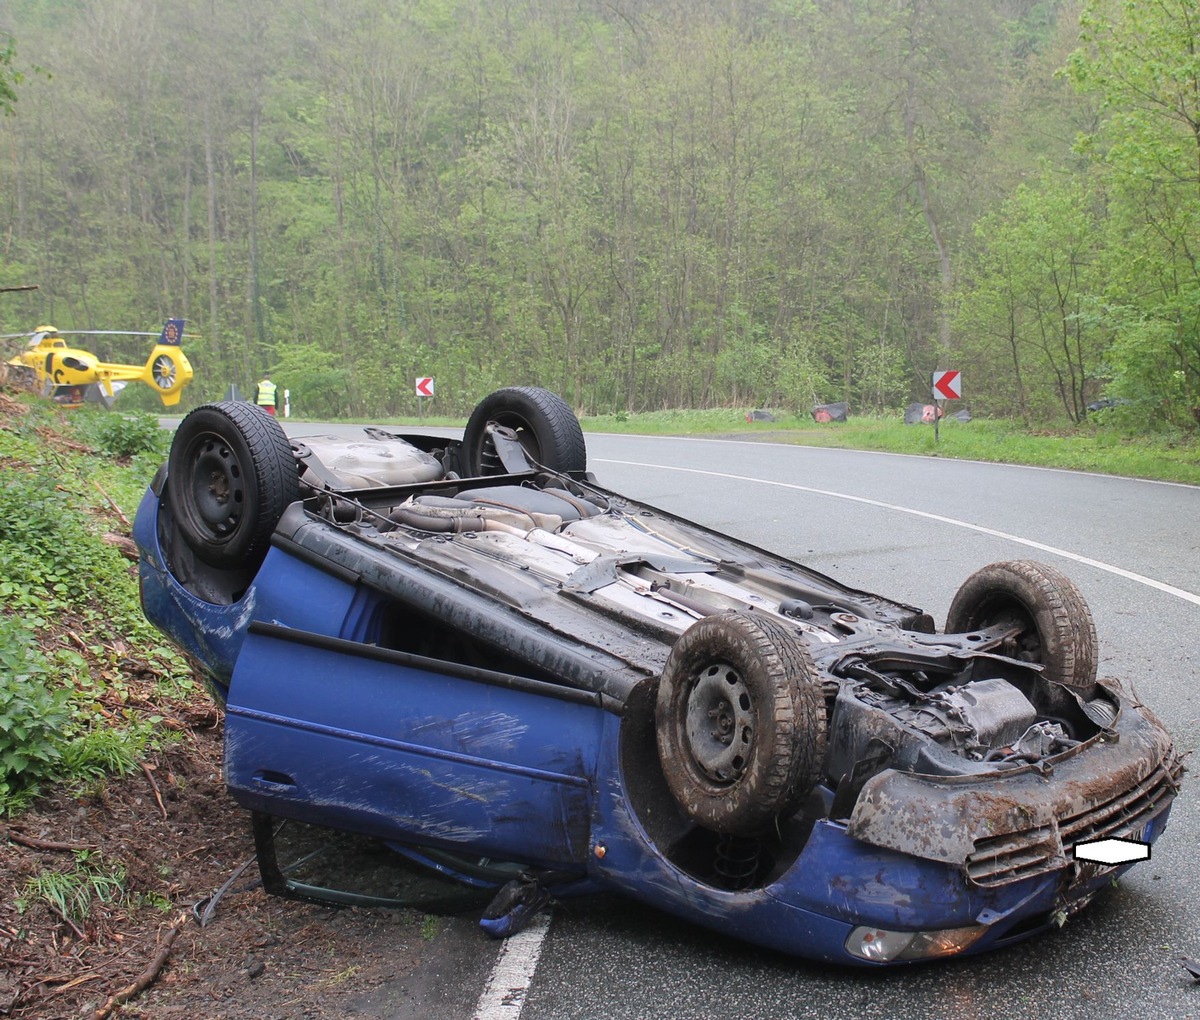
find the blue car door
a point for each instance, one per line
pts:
(405, 748)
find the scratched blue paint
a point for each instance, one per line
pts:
(391, 750)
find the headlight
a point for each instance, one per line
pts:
(883, 946)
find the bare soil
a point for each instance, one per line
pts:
(180, 838)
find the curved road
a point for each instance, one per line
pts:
(911, 528)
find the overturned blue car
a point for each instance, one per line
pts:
(474, 653)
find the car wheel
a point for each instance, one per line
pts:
(740, 722)
(230, 476)
(544, 423)
(1056, 629)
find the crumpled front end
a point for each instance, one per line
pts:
(1001, 829)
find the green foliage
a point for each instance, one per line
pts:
(121, 434)
(9, 76)
(636, 208)
(1023, 308)
(760, 204)
(103, 751)
(317, 381)
(32, 714)
(1148, 374)
(45, 553)
(1142, 62)
(59, 577)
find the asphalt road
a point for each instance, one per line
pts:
(913, 529)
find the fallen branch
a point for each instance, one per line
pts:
(45, 986)
(112, 503)
(42, 844)
(68, 922)
(83, 979)
(146, 978)
(154, 786)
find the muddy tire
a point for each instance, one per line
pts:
(230, 476)
(740, 722)
(544, 423)
(1056, 626)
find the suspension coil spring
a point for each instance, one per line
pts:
(489, 459)
(737, 860)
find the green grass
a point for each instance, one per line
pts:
(72, 893)
(1107, 450)
(1100, 447)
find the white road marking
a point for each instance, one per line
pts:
(887, 453)
(1129, 575)
(504, 995)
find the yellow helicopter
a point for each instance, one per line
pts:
(70, 376)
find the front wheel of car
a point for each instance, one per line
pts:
(230, 476)
(740, 722)
(543, 422)
(1050, 621)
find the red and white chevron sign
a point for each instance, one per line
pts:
(425, 386)
(947, 386)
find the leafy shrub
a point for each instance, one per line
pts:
(31, 715)
(121, 435)
(58, 574)
(47, 545)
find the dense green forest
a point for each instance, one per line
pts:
(638, 203)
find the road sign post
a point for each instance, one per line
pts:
(424, 388)
(946, 386)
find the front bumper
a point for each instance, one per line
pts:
(1003, 829)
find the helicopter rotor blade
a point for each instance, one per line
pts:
(104, 332)
(79, 332)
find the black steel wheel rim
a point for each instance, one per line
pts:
(218, 486)
(720, 723)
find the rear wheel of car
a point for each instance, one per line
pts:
(1053, 623)
(740, 722)
(544, 423)
(230, 476)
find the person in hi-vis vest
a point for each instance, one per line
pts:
(265, 397)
